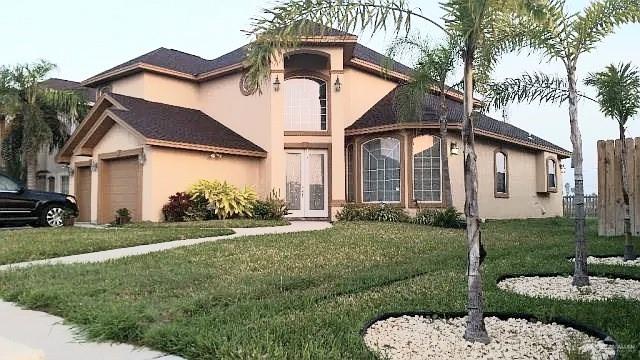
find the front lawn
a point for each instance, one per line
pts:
(307, 295)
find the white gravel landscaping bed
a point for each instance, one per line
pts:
(559, 287)
(423, 338)
(616, 260)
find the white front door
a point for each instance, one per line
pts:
(307, 193)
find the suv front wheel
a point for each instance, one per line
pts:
(52, 216)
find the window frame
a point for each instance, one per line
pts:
(496, 193)
(311, 75)
(361, 169)
(551, 189)
(413, 174)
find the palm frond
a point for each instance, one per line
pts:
(599, 20)
(528, 88)
(618, 91)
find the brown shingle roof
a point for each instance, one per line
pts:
(88, 93)
(384, 113)
(164, 122)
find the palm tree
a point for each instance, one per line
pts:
(36, 115)
(564, 37)
(482, 27)
(433, 69)
(618, 94)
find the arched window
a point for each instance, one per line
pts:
(349, 172)
(501, 177)
(305, 104)
(427, 169)
(381, 170)
(551, 175)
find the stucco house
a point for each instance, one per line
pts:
(323, 132)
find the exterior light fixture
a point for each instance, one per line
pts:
(94, 166)
(562, 169)
(142, 158)
(454, 149)
(337, 84)
(276, 84)
(71, 171)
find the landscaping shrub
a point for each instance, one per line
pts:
(224, 199)
(447, 218)
(372, 212)
(272, 208)
(424, 217)
(177, 208)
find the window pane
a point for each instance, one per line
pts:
(427, 175)
(305, 104)
(551, 173)
(381, 170)
(316, 182)
(7, 184)
(294, 181)
(501, 173)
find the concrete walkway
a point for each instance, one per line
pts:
(34, 335)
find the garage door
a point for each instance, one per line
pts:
(83, 193)
(121, 188)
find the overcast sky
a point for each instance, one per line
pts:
(86, 37)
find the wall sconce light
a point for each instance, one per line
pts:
(276, 84)
(454, 149)
(337, 85)
(94, 166)
(71, 171)
(562, 169)
(215, 156)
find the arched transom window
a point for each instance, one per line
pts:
(427, 166)
(381, 170)
(551, 175)
(305, 104)
(501, 181)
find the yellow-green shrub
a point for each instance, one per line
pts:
(224, 199)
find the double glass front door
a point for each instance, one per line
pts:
(307, 193)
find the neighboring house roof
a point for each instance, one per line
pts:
(89, 94)
(170, 123)
(384, 116)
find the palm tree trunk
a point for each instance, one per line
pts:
(444, 149)
(476, 330)
(580, 274)
(32, 164)
(629, 252)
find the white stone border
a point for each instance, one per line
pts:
(424, 338)
(559, 287)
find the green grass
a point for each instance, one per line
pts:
(42, 243)
(307, 295)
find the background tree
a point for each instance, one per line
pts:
(564, 37)
(36, 116)
(484, 29)
(618, 93)
(433, 69)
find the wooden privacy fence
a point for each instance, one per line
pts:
(610, 204)
(590, 205)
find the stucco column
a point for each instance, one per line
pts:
(338, 119)
(276, 158)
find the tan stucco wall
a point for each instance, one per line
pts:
(363, 90)
(132, 85)
(524, 201)
(159, 88)
(173, 170)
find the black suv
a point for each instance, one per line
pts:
(22, 206)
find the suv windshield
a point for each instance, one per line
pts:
(7, 184)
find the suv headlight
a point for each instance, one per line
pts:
(71, 199)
